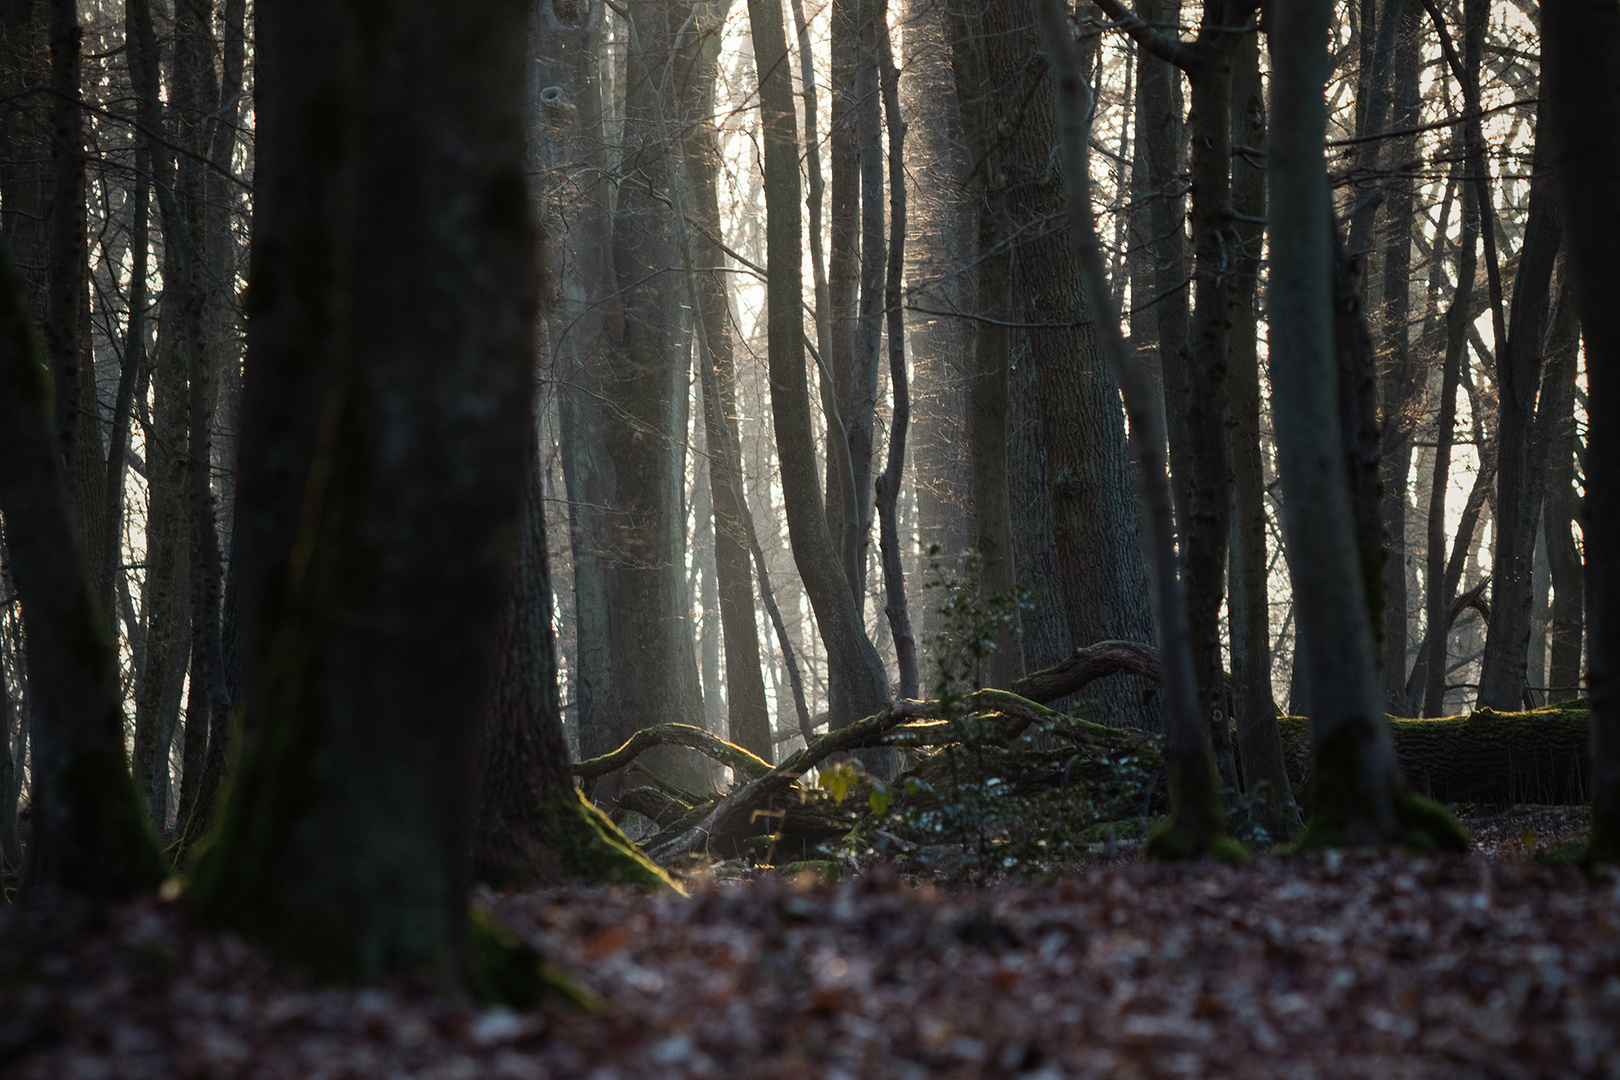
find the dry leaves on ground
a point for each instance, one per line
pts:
(1327, 966)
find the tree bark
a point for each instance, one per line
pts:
(1197, 822)
(1581, 45)
(89, 836)
(849, 650)
(1562, 505)
(1358, 796)
(387, 414)
(1249, 596)
(972, 25)
(1522, 464)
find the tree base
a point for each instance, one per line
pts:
(591, 848)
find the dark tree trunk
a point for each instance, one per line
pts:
(1522, 464)
(888, 484)
(67, 341)
(1249, 595)
(531, 826)
(1197, 824)
(1581, 43)
(89, 835)
(1562, 504)
(386, 418)
(1358, 796)
(1401, 381)
(972, 26)
(938, 256)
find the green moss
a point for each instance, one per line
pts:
(1197, 825)
(502, 970)
(825, 869)
(593, 849)
(1428, 826)
(1338, 799)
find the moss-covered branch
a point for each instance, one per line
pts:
(731, 755)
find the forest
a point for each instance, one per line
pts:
(846, 538)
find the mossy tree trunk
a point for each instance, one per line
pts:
(1197, 825)
(387, 416)
(1358, 796)
(1581, 42)
(532, 827)
(90, 835)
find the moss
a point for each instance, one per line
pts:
(592, 848)
(1197, 825)
(502, 970)
(1339, 802)
(825, 869)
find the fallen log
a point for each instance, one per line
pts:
(1541, 756)
(996, 715)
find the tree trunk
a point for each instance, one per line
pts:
(1401, 382)
(749, 719)
(939, 254)
(849, 651)
(888, 484)
(531, 827)
(67, 342)
(1265, 776)
(386, 419)
(1522, 464)
(1357, 795)
(1197, 823)
(1581, 43)
(89, 836)
(973, 24)
(1562, 505)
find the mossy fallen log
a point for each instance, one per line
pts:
(1487, 757)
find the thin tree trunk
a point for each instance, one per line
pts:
(1400, 380)
(888, 484)
(1265, 772)
(1358, 795)
(1563, 506)
(1521, 472)
(1437, 600)
(67, 342)
(89, 836)
(850, 653)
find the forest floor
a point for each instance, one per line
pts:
(1334, 965)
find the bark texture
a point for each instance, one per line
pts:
(1581, 43)
(387, 413)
